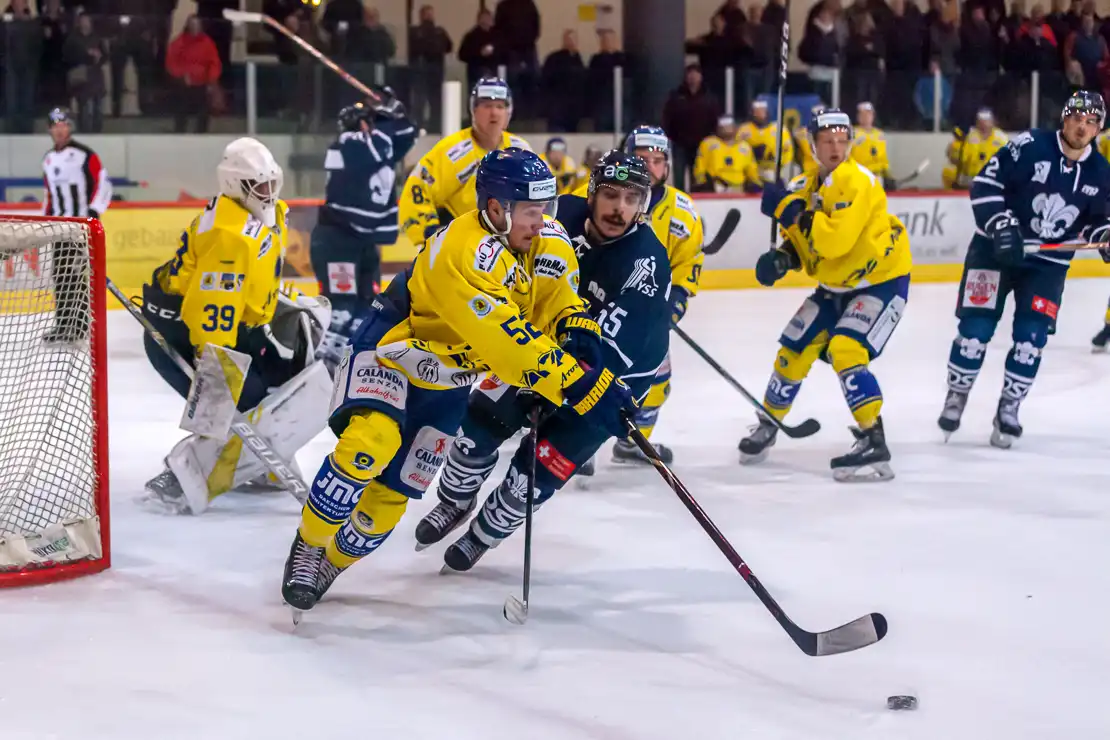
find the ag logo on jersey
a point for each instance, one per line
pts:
(642, 278)
(1054, 215)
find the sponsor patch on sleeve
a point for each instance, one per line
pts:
(550, 266)
(481, 305)
(485, 256)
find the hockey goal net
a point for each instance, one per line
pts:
(53, 400)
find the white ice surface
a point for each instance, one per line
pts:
(991, 567)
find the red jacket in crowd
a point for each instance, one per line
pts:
(192, 58)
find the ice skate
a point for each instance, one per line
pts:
(1100, 340)
(328, 573)
(868, 460)
(440, 522)
(1006, 425)
(753, 448)
(302, 571)
(588, 468)
(165, 495)
(463, 554)
(949, 421)
(64, 336)
(626, 452)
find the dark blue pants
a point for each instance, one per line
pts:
(348, 268)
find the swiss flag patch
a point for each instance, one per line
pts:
(553, 460)
(1045, 306)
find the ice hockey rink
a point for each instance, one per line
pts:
(991, 567)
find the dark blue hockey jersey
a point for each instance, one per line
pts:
(1051, 196)
(361, 193)
(625, 282)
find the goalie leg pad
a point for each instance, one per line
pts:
(214, 396)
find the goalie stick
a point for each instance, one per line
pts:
(732, 220)
(516, 610)
(807, 428)
(898, 184)
(859, 633)
(242, 428)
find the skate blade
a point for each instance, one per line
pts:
(633, 461)
(447, 570)
(152, 503)
(297, 615)
(746, 459)
(421, 547)
(516, 611)
(1097, 350)
(870, 473)
(1001, 441)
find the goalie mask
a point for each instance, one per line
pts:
(250, 175)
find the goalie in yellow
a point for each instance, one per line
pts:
(476, 301)
(441, 186)
(219, 297)
(839, 231)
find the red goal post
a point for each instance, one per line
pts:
(54, 512)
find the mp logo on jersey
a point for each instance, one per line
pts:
(642, 278)
(1054, 215)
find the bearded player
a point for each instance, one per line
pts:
(840, 232)
(475, 304)
(441, 186)
(1042, 187)
(621, 262)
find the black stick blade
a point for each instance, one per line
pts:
(857, 634)
(732, 220)
(807, 428)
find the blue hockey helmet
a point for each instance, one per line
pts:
(491, 88)
(511, 176)
(652, 138)
(1085, 102)
(830, 118)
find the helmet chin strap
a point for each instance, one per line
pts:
(503, 235)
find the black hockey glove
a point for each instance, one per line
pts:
(773, 265)
(1005, 232)
(603, 400)
(580, 337)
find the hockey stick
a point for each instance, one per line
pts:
(898, 184)
(516, 610)
(732, 220)
(1068, 247)
(784, 54)
(807, 428)
(854, 635)
(242, 428)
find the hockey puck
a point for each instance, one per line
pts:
(901, 702)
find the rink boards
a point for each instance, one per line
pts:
(141, 236)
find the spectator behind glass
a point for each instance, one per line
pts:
(375, 42)
(563, 84)
(904, 48)
(479, 50)
(820, 48)
(211, 14)
(1085, 50)
(21, 46)
(689, 115)
(55, 28)
(733, 17)
(717, 50)
(517, 23)
(429, 44)
(85, 54)
(1033, 51)
(194, 63)
(774, 14)
(599, 77)
(863, 60)
(342, 21)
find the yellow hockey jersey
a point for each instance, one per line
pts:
(803, 150)
(762, 141)
(227, 270)
(441, 186)
(869, 149)
(968, 156)
(478, 306)
(853, 240)
(727, 165)
(566, 174)
(1104, 144)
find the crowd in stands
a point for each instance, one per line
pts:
(981, 51)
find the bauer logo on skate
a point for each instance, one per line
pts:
(424, 459)
(981, 288)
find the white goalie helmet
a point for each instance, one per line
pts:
(249, 174)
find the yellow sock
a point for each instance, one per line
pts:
(372, 521)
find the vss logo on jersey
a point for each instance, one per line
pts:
(642, 278)
(1054, 215)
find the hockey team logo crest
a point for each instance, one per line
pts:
(1054, 215)
(642, 278)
